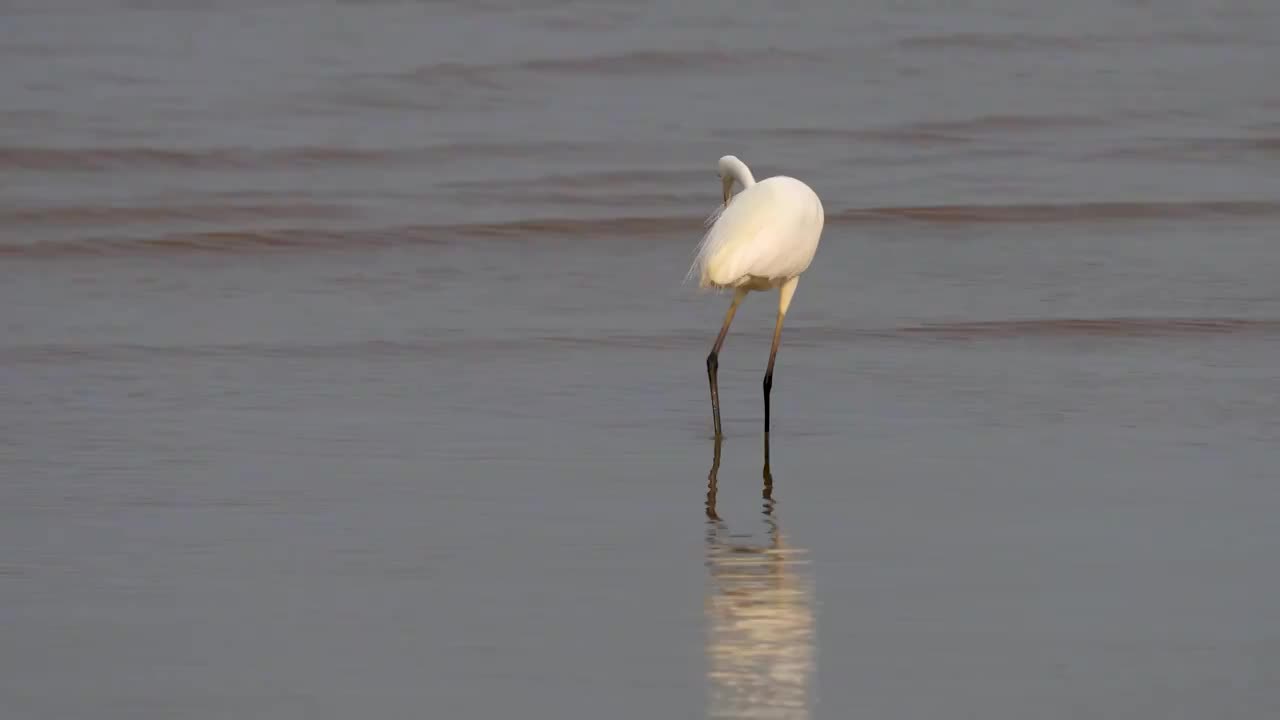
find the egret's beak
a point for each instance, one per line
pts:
(726, 183)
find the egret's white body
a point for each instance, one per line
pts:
(762, 238)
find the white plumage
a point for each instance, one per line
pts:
(764, 237)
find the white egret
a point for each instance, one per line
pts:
(760, 239)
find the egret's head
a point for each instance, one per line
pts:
(732, 170)
(727, 170)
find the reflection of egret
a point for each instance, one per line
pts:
(760, 240)
(760, 611)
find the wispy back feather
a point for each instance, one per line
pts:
(707, 247)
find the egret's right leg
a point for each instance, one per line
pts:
(713, 360)
(785, 294)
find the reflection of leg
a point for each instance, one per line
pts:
(712, 482)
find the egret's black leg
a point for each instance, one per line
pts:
(768, 373)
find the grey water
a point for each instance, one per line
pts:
(346, 367)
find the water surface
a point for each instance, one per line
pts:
(347, 370)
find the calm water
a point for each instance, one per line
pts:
(346, 369)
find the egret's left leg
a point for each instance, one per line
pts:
(713, 360)
(785, 293)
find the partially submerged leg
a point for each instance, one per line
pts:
(712, 482)
(713, 360)
(785, 293)
(768, 475)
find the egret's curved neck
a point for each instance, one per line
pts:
(734, 168)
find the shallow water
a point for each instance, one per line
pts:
(347, 368)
